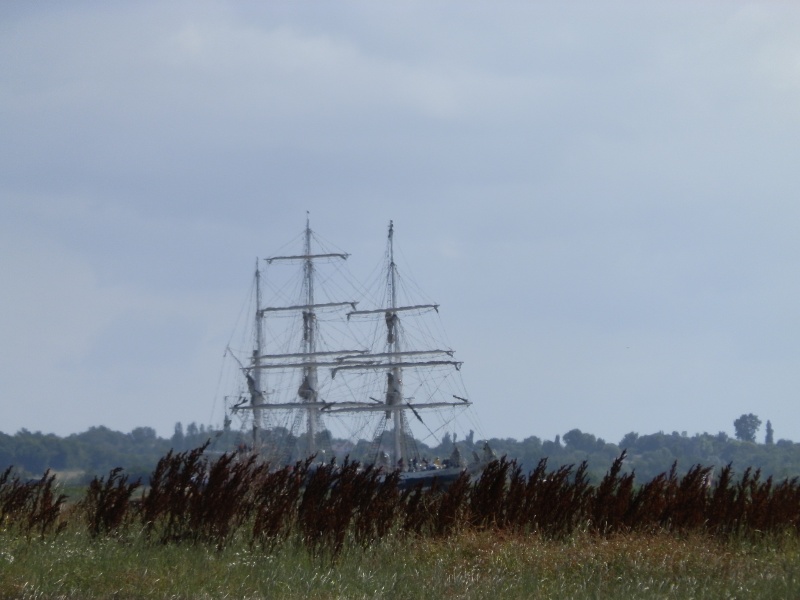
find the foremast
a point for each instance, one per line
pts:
(395, 359)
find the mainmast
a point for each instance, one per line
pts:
(392, 362)
(394, 383)
(308, 387)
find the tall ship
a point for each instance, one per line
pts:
(338, 369)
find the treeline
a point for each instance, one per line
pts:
(81, 456)
(97, 450)
(652, 454)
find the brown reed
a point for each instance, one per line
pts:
(32, 506)
(194, 499)
(107, 502)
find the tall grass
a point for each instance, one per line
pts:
(30, 506)
(192, 499)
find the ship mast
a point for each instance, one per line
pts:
(308, 388)
(256, 395)
(308, 391)
(394, 383)
(396, 358)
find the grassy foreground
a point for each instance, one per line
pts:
(469, 564)
(234, 528)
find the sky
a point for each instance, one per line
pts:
(602, 196)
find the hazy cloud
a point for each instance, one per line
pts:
(602, 197)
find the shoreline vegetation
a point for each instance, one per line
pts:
(77, 458)
(230, 527)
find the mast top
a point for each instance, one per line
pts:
(391, 244)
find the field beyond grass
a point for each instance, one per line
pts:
(464, 565)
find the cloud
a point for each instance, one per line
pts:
(591, 177)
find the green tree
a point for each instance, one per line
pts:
(575, 439)
(770, 437)
(178, 437)
(30, 453)
(746, 427)
(143, 435)
(629, 440)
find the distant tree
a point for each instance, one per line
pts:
(651, 442)
(7, 444)
(746, 427)
(575, 439)
(770, 437)
(629, 440)
(30, 452)
(178, 437)
(549, 448)
(446, 447)
(141, 435)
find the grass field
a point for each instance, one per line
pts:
(238, 529)
(465, 565)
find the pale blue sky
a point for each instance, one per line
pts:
(601, 195)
